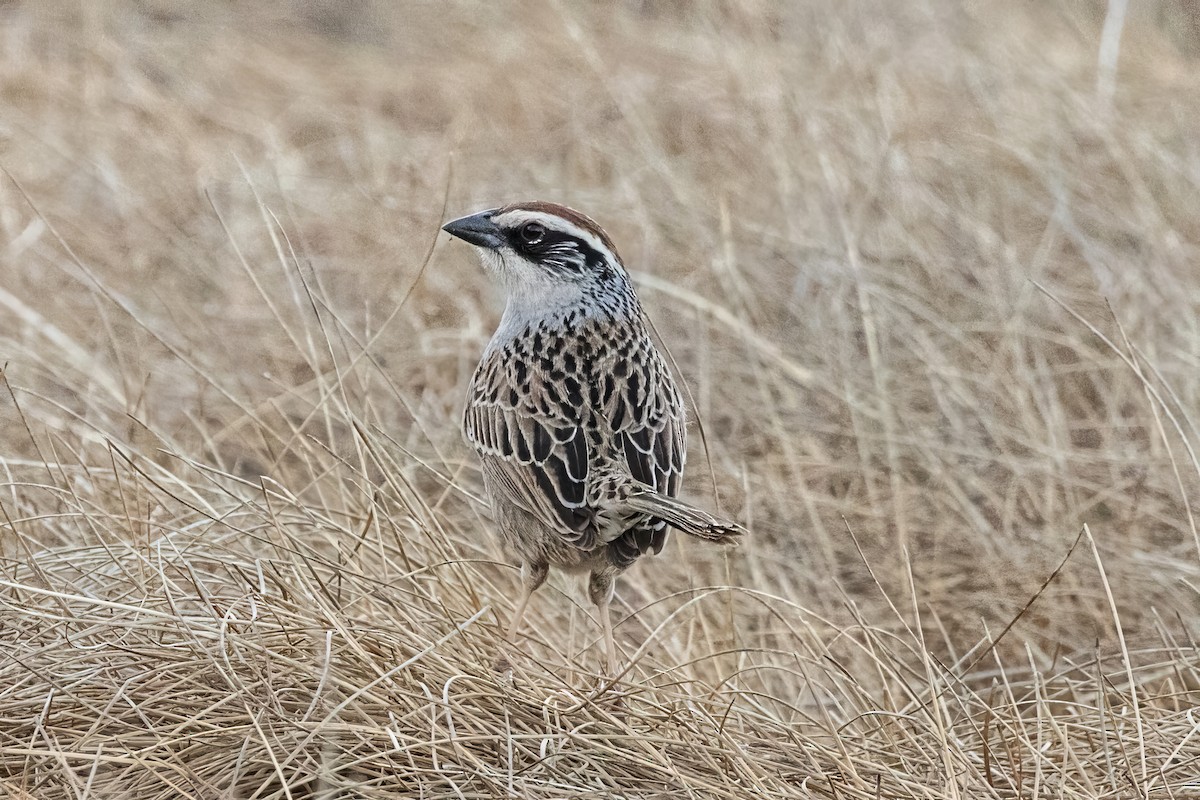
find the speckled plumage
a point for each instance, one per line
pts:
(576, 418)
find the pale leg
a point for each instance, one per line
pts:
(610, 646)
(600, 589)
(532, 576)
(514, 624)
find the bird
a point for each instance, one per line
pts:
(579, 426)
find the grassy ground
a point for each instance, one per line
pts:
(931, 272)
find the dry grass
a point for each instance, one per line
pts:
(934, 286)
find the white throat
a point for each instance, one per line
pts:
(524, 310)
(530, 295)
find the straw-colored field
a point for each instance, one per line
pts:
(931, 272)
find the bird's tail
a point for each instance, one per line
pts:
(686, 518)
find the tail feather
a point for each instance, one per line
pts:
(686, 518)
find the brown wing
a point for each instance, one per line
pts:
(655, 453)
(650, 430)
(535, 453)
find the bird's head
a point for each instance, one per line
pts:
(545, 255)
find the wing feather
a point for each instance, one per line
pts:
(538, 461)
(654, 447)
(529, 431)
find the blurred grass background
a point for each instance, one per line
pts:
(931, 271)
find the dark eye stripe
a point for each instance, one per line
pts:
(558, 250)
(570, 215)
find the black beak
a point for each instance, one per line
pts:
(478, 229)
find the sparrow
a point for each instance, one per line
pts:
(578, 423)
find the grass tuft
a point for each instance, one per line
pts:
(928, 272)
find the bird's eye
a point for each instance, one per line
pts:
(532, 233)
